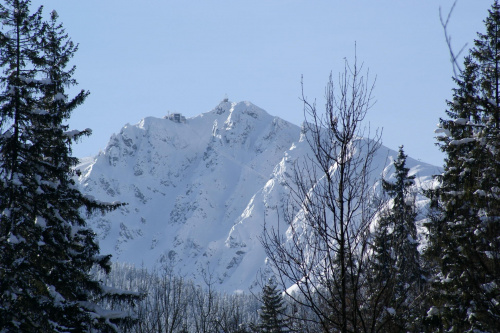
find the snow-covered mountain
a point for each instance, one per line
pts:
(199, 190)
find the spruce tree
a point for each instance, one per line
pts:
(272, 310)
(381, 275)
(403, 216)
(396, 260)
(46, 248)
(464, 231)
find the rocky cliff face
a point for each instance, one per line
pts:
(199, 192)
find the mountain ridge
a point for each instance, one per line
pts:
(198, 192)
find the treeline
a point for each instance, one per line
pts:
(173, 304)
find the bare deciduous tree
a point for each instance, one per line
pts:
(173, 304)
(325, 254)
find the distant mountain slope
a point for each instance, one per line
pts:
(198, 192)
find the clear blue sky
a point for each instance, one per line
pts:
(145, 58)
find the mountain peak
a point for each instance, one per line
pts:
(245, 107)
(198, 191)
(186, 185)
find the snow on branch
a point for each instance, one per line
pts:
(461, 141)
(442, 131)
(40, 112)
(77, 133)
(461, 121)
(59, 97)
(99, 313)
(115, 291)
(102, 203)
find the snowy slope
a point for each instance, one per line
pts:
(198, 192)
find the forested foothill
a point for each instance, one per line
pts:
(353, 262)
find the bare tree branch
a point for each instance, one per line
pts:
(453, 57)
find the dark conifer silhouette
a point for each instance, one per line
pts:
(396, 261)
(272, 319)
(46, 248)
(464, 231)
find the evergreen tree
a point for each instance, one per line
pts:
(464, 231)
(396, 261)
(402, 218)
(272, 310)
(46, 248)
